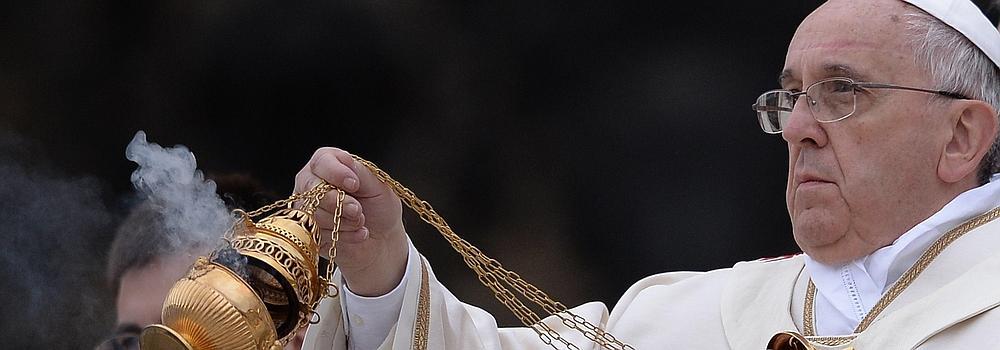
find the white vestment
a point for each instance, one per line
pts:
(950, 306)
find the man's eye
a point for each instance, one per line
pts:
(841, 86)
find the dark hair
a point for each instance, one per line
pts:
(140, 240)
(241, 191)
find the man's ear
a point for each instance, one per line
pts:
(973, 132)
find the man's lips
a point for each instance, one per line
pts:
(808, 180)
(811, 184)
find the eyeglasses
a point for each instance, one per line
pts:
(830, 100)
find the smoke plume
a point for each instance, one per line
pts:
(169, 179)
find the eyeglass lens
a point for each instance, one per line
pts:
(828, 100)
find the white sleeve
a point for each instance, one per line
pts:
(369, 319)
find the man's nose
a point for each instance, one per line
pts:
(802, 128)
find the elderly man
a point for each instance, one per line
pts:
(889, 109)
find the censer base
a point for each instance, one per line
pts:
(160, 337)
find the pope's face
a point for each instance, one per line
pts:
(854, 185)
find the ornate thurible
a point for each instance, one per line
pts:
(263, 286)
(256, 291)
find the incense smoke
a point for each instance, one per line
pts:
(54, 228)
(169, 179)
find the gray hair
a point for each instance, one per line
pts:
(957, 65)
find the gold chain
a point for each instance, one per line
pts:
(494, 276)
(332, 290)
(904, 281)
(312, 198)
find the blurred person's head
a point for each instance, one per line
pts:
(143, 264)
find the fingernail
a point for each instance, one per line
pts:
(351, 210)
(351, 184)
(365, 229)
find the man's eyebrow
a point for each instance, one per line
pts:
(830, 70)
(843, 70)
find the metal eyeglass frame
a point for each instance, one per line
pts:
(762, 110)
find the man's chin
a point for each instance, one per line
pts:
(823, 241)
(830, 257)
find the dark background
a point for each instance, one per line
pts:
(585, 144)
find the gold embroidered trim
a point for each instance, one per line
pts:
(422, 327)
(832, 340)
(808, 311)
(808, 322)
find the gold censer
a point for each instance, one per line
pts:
(258, 290)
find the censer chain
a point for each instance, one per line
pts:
(332, 290)
(494, 276)
(490, 272)
(312, 198)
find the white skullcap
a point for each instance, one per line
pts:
(967, 19)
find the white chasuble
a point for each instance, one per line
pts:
(950, 305)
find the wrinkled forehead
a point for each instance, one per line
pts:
(863, 40)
